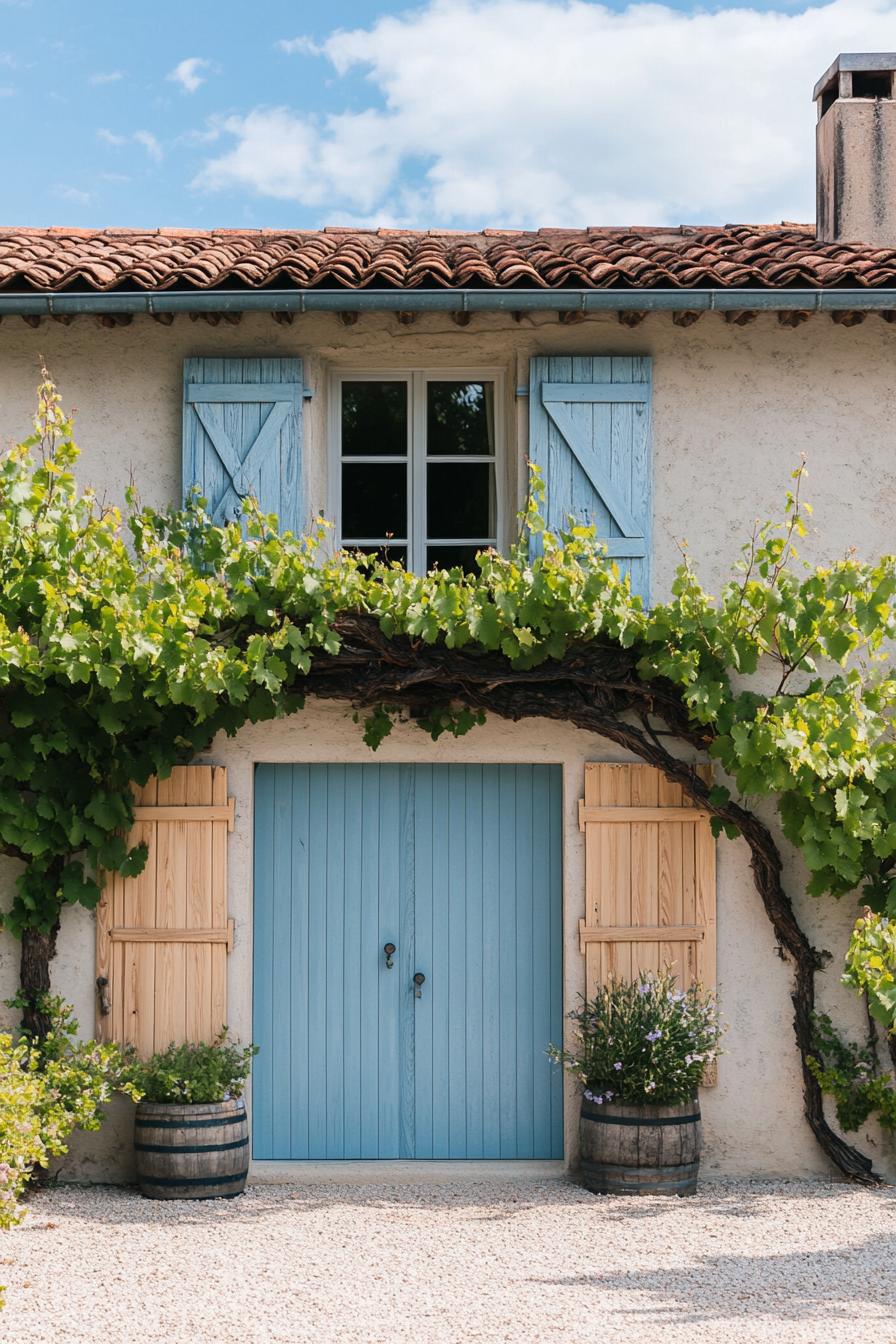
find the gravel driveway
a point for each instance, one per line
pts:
(515, 1261)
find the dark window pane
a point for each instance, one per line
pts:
(374, 500)
(460, 500)
(446, 557)
(385, 553)
(374, 419)
(460, 418)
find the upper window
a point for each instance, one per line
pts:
(417, 467)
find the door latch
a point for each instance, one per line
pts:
(389, 951)
(102, 986)
(419, 981)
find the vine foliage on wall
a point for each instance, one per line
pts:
(128, 639)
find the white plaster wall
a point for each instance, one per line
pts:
(734, 408)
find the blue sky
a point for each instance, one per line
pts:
(456, 113)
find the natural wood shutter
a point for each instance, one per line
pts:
(590, 434)
(650, 878)
(163, 937)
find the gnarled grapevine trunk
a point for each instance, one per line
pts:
(38, 950)
(595, 687)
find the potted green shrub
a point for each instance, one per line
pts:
(640, 1051)
(191, 1134)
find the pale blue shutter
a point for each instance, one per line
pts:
(589, 432)
(243, 436)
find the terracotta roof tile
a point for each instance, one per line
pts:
(683, 257)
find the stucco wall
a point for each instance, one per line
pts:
(734, 408)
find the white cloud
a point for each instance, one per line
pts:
(534, 112)
(149, 143)
(73, 194)
(112, 77)
(144, 138)
(207, 135)
(299, 46)
(187, 75)
(283, 156)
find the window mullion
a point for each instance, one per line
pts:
(335, 462)
(417, 459)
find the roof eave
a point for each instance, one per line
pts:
(451, 300)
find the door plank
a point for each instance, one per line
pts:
(407, 966)
(264, 1077)
(393, 984)
(426, 864)
(354, 953)
(376, 929)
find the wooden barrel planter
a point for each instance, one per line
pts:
(640, 1150)
(192, 1152)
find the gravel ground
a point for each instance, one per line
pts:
(744, 1261)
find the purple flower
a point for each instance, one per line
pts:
(644, 987)
(589, 1096)
(648, 1087)
(654, 1035)
(618, 1065)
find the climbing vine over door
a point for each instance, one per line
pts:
(128, 641)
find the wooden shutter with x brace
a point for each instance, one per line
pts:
(243, 436)
(590, 435)
(163, 936)
(650, 878)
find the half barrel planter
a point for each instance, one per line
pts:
(640, 1150)
(192, 1152)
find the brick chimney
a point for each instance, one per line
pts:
(855, 150)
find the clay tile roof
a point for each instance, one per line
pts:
(683, 257)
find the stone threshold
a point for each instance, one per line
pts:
(401, 1172)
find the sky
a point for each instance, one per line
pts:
(454, 113)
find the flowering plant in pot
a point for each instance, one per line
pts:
(640, 1050)
(191, 1131)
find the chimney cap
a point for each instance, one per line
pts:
(849, 61)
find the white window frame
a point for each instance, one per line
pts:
(418, 459)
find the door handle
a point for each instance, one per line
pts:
(419, 981)
(389, 951)
(102, 989)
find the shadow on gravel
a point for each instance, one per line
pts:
(743, 1199)
(855, 1282)
(490, 1201)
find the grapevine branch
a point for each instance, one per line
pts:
(596, 688)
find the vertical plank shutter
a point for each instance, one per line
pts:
(163, 936)
(589, 432)
(242, 436)
(650, 878)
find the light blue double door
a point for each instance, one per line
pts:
(435, 1049)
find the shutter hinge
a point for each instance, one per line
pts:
(522, 391)
(307, 393)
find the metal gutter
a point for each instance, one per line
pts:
(453, 301)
